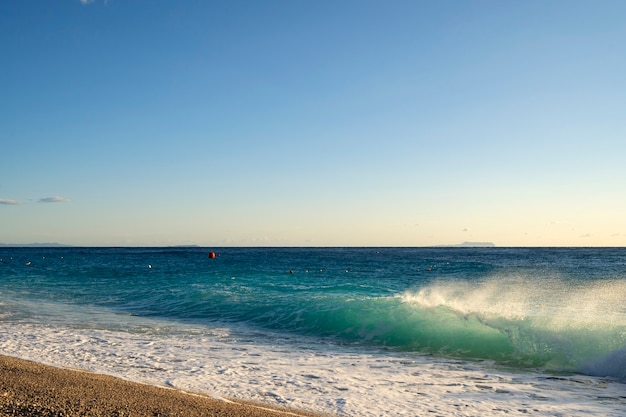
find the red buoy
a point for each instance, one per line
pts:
(211, 255)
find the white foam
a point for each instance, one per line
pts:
(227, 364)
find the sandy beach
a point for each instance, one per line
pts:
(31, 389)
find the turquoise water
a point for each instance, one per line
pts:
(558, 309)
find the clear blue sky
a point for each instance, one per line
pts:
(313, 123)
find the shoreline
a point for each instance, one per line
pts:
(29, 389)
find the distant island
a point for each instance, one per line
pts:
(470, 245)
(477, 245)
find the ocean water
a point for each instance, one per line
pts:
(349, 331)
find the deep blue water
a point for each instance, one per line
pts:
(560, 309)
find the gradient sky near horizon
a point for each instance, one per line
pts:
(313, 123)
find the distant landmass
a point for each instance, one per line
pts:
(61, 245)
(470, 245)
(35, 245)
(476, 245)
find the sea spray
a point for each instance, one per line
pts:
(549, 322)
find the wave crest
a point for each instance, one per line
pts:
(569, 326)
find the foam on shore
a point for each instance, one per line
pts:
(346, 384)
(28, 389)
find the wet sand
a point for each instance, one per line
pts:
(31, 389)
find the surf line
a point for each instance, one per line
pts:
(169, 385)
(274, 410)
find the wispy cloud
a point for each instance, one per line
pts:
(54, 200)
(9, 202)
(86, 1)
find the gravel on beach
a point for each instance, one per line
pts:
(31, 389)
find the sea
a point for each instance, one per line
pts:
(443, 331)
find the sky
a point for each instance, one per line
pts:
(313, 123)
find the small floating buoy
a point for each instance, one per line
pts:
(211, 255)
